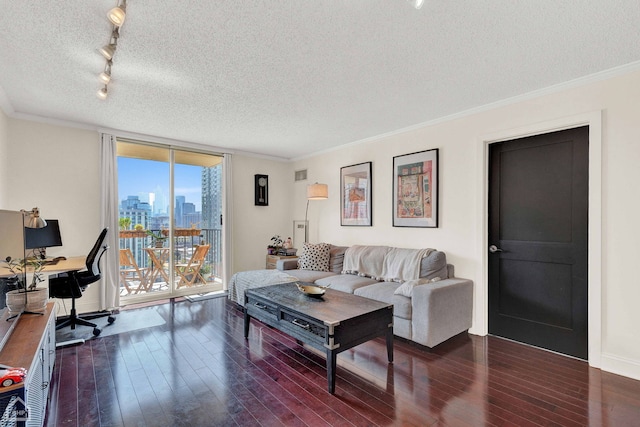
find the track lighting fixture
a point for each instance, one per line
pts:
(102, 93)
(118, 14)
(116, 17)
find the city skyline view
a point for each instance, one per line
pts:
(137, 177)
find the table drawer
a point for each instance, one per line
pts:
(306, 326)
(262, 310)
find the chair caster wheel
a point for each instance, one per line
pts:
(96, 331)
(111, 319)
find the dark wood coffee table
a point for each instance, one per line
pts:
(334, 323)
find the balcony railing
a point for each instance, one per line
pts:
(184, 242)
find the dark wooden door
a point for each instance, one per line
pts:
(538, 227)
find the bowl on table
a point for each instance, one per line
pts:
(313, 291)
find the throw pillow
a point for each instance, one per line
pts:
(314, 257)
(406, 289)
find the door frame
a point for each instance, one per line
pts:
(592, 119)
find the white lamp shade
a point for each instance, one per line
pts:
(317, 191)
(116, 16)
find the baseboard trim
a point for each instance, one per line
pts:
(621, 366)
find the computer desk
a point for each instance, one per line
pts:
(69, 264)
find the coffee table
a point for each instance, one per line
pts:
(333, 323)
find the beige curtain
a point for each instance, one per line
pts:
(109, 295)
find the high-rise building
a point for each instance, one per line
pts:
(212, 197)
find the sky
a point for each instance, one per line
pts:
(137, 176)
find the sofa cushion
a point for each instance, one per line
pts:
(384, 291)
(434, 265)
(336, 258)
(314, 257)
(406, 288)
(345, 282)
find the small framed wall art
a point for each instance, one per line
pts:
(355, 195)
(261, 190)
(415, 189)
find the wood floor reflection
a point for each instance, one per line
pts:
(198, 370)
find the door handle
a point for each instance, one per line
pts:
(493, 249)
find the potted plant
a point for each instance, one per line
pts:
(35, 298)
(275, 245)
(205, 271)
(157, 239)
(124, 223)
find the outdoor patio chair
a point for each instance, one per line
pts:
(130, 274)
(189, 273)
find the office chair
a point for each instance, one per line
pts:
(73, 283)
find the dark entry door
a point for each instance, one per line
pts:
(538, 225)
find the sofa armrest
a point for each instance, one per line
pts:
(441, 310)
(287, 264)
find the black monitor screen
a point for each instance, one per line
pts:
(45, 237)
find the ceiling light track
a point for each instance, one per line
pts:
(116, 16)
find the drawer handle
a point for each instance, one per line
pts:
(302, 325)
(260, 306)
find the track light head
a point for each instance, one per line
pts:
(105, 76)
(102, 93)
(108, 51)
(118, 14)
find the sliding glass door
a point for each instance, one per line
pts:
(171, 241)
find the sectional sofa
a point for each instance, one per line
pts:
(430, 304)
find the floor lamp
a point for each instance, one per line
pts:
(314, 192)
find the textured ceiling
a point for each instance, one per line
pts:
(291, 77)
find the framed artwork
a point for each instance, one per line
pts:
(415, 189)
(355, 195)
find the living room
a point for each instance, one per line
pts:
(55, 165)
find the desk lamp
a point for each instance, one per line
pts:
(314, 192)
(34, 222)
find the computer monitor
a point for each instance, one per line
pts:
(45, 237)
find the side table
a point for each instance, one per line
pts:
(272, 260)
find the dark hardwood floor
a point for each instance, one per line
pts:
(198, 370)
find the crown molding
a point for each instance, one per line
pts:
(553, 89)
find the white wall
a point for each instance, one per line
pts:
(56, 169)
(461, 164)
(4, 158)
(253, 226)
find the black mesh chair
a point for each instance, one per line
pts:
(73, 283)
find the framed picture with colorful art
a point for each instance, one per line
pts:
(355, 195)
(415, 189)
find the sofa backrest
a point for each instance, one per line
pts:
(434, 265)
